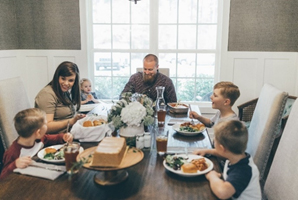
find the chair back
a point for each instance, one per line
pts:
(265, 125)
(282, 178)
(165, 71)
(12, 100)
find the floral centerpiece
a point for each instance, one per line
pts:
(133, 111)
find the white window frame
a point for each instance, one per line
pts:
(222, 27)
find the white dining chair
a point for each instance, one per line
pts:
(265, 125)
(165, 71)
(13, 99)
(282, 181)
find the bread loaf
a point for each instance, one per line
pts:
(109, 152)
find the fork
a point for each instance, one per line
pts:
(192, 122)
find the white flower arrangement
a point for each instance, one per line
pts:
(132, 110)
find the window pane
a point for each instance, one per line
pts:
(102, 86)
(205, 64)
(207, 37)
(187, 11)
(102, 36)
(167, 11)
(167, 37)
(208, 11)
(121, 63)
(168, 60)
(140, 11)
(118, 86)
(185, 67)
(140, 36)
(120, 11)
(186, 91)
(101, 11)
(103, 64)
(204, 87)
(137, 61)
(186, 37)
(121, 36)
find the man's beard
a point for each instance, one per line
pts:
(149, 78)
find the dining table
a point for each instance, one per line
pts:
(147, 179)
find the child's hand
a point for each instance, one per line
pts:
(212, 175)
(201, 152)
(89, 97)
(23, 162)
(193, 115)
(67, 137)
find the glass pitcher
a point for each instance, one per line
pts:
(161, 107)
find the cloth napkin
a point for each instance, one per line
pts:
(42, 170)
(90, 134)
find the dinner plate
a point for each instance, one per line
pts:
(87, 107)
(176, 127)
(190, 158)
(41, 154)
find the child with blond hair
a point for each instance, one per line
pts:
(87, 96)
(31, 126)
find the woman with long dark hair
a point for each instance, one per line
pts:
(60, 99)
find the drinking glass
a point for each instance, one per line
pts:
(71, 152)
(161, 141)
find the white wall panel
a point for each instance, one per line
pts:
(280, 73)
(244, 76)
(8, 66)
(35, 75)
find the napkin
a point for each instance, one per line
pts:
(42, 170)
(90, 134)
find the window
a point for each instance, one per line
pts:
(182, 33)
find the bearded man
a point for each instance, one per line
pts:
(145, 82)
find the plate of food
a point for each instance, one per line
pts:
(189, 129)
(53, 154)
(188, 166)
(178, 108)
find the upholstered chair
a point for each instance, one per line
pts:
(282, 182)
(265, 125)
(13, 99)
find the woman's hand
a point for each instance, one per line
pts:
(23, 162)
(67, 137)
(76, 118)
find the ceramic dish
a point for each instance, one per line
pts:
(41, 154)
(176, 127)
(180, 108)
(190, 158)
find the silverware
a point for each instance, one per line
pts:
(47, 166)
(192, 122)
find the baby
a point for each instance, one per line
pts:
(87, 97)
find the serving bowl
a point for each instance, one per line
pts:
(178, 108)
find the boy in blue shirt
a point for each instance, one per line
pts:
(240, 174)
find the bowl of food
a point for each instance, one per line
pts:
(178, 108)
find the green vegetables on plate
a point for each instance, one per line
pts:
(54, 156)
(175, 162)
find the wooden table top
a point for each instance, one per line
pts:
(146, 180)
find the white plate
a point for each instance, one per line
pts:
(87, 107)
(190, 158)
(176, 127)
(41, 154)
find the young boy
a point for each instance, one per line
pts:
(223, 98)
(87, 97)
(240, 174)
(31, 126)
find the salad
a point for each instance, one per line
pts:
(175, 162)
(53, 154)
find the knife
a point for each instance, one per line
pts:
(48, 166)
